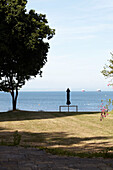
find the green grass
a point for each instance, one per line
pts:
(61, 133)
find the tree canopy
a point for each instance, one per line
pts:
(23, 46)
(108, 69)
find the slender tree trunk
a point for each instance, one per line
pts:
(14, 98)
(14, 105)
(13, 93)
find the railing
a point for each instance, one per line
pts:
(68, 107)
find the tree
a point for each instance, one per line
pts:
(23, 49)
(108, 69)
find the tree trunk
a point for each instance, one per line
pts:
(14, 105)
(14, 98)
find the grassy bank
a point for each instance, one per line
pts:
(69, 132)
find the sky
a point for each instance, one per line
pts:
(80, 47)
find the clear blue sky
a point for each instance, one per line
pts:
(81, 46)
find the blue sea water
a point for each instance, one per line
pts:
(50, 101)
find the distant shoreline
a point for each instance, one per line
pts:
(63, 91)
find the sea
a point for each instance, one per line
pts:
(50, 101)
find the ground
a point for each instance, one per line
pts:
(81, 132)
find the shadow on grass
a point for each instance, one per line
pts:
(60, 140)
(2, 128)
(30, 115)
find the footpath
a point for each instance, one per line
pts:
(19, 158)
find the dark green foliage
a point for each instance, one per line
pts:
(23, 50)
(108, 69)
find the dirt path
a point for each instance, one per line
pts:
(19, 158)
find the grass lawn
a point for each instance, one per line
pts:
(74, 132)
